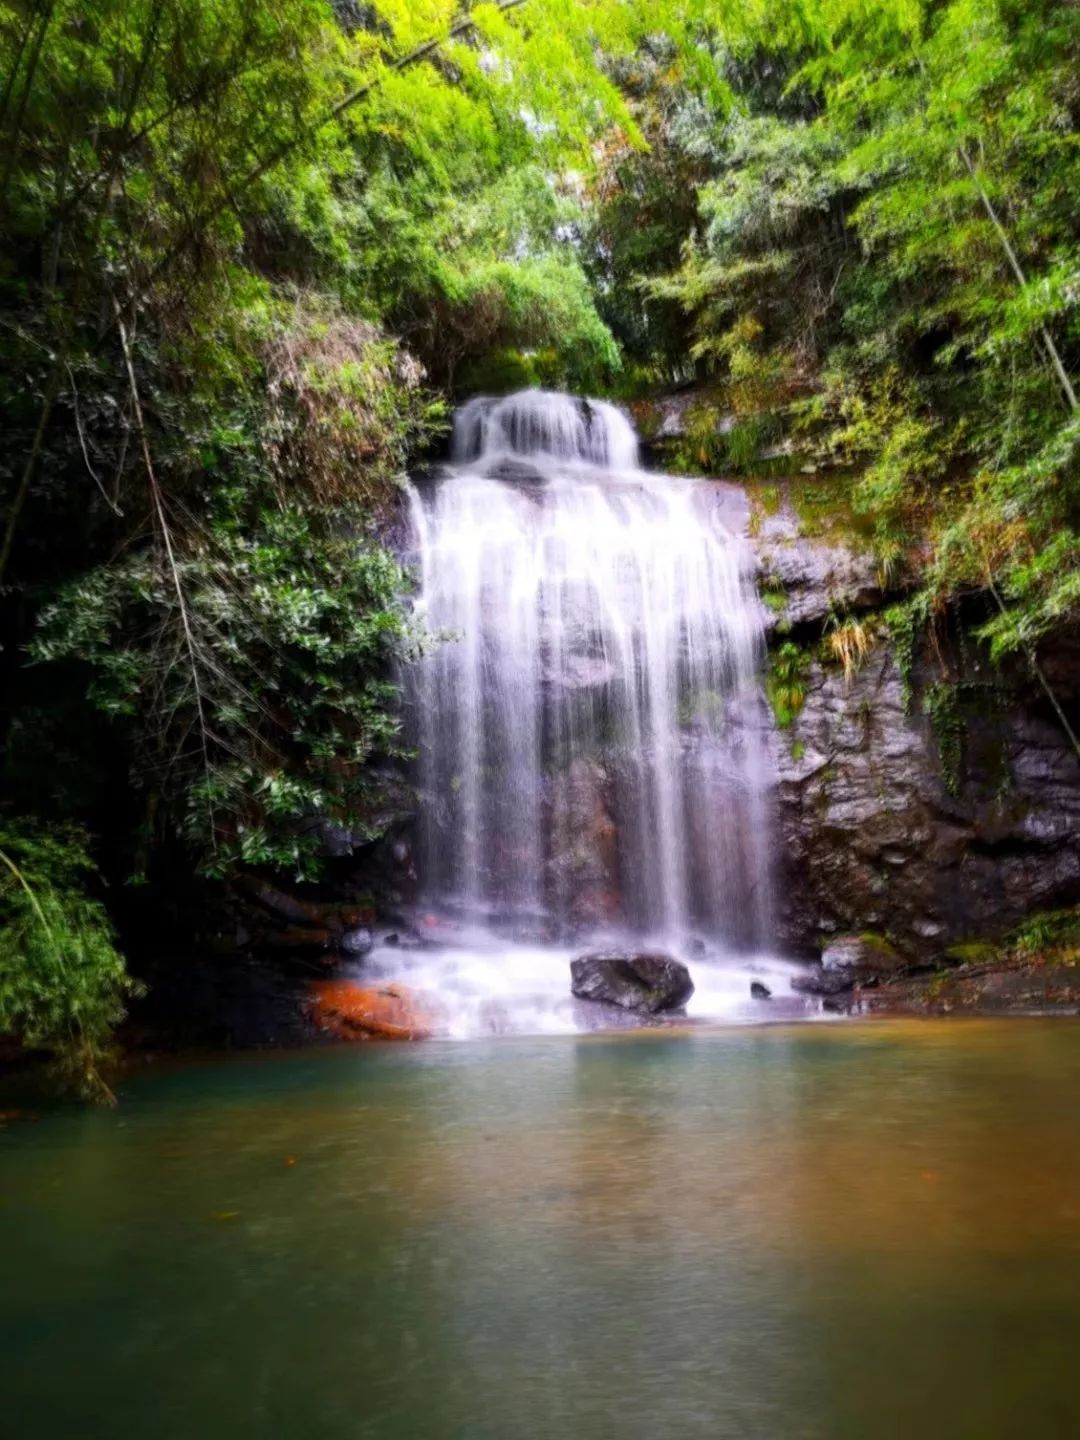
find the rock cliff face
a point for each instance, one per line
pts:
(870, 837)
(930, 831)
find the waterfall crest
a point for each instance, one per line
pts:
(541, 424)
(591, 739)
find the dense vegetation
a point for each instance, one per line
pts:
(884, 272)
(249, 253)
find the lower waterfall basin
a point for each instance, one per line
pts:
(473, 982)
(864, 1229)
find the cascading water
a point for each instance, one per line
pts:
(593, 756)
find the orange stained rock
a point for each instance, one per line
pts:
(350, 1010)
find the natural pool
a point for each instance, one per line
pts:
(858, 1230)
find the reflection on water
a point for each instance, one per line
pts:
(852, 1231)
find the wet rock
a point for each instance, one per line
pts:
(515, 471)
(279, 904)
(823, 983)
(818, 578)
(873, 836)
(647, 983)
(1008, 985)
(668, 417)
(581, 672)
(863, 955)
(583, 870)
(758, 991)
(301, 937)
(356, 942)
(301, 924)
(207, 1001)
(402, 934)
(349, 1011)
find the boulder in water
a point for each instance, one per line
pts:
(647, 983)
(758, 991)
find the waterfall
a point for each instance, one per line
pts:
(592, 752)
(537, 422)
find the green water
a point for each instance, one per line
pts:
(832, 1231)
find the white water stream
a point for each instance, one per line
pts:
(593, 751)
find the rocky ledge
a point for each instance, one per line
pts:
(928, 800)
(1008, 986)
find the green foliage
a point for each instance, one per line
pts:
(904, 624)
(873, 183)
(62, 981)
(1051, 930)
(642, 203)
(180, 169)
(785, 682)
(258, 702)
(775, 600)
(247, 658)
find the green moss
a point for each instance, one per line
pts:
(821, 507)
(825, 510)
(941, 708)
(798, 749)
(875, 941)
(499, 372)
(972, 952)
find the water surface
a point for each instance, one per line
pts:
(845, 1231)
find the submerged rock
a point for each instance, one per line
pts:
(758, 991)
(647, 983)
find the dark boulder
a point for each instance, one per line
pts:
(646, 983)
(356, 942)
(758, 991)
(825, 983)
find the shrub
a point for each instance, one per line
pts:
(63, 983)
